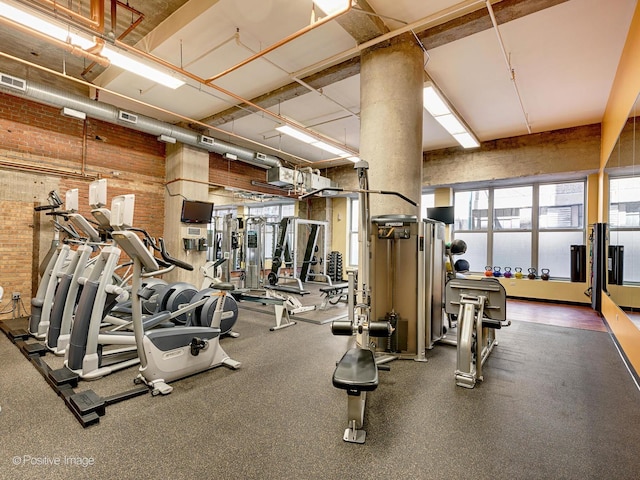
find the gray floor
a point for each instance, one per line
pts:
(556, 403)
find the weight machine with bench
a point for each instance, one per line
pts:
(357, 370)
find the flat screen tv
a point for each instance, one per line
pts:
(441, 214)
(194, 211)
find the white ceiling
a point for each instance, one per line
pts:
(564, 58)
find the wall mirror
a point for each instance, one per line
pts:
(623, 186)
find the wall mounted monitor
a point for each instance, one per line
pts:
(194, 211)
(441, 214)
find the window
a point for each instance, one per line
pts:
(272, 214)
(561, 224)
(471, 210)
(624, 223)
(428, 201)
(501, 229)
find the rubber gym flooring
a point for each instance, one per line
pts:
(557, 403)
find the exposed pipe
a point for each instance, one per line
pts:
(114, 16)
(297, 80)
(282, 42)
(59, 43)
(92, 22)
(182, 118)
(109, 113)
(420, 24)
(97, 14)
(228, 93)
(512, 73)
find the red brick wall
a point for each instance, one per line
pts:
(41, 150)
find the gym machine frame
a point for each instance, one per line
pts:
(357, 370)
(288, 242)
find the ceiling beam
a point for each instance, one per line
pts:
(456, 29)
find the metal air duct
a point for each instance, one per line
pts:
(108, 113)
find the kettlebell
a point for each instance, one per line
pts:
(497, 272)
(519, 273)
(544, 274)
(488, 272)
(507, 272)
(532, 274)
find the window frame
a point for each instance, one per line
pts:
(535, 229)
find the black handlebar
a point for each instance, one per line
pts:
(174, 261)
(381, 192)
(167, 260)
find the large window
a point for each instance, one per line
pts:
(501, 228)
(272, 215)
(624, 223)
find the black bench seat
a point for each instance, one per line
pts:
(356, 372)
(335, 288)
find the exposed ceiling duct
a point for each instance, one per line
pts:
(102, 111)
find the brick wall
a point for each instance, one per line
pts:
(40, 150)
(16, 246)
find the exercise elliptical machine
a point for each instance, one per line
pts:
(172, 353)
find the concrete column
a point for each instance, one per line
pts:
(187, 171)
(391, 82)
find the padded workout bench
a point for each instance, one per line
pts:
(356, 373)
(333, 294)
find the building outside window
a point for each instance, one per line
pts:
(501, 229)
(273, 214)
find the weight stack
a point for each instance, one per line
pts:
(334, 266)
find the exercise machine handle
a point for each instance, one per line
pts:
(381, 192)
(174, 261)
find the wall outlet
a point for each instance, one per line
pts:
(15, 296)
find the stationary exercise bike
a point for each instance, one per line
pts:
(172, 353)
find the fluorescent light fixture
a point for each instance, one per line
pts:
(64, 35)
(466, 140)
(354, 159)
(70, 112)
(292, 132)
(450, 123)
(166, 139)
(303, 137)
(138, 68)
(441, 112)
(433, 103)
(330, 148)
(43, 26)
(331, 6)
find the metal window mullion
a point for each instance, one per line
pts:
(535, 223)
(490, 204)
